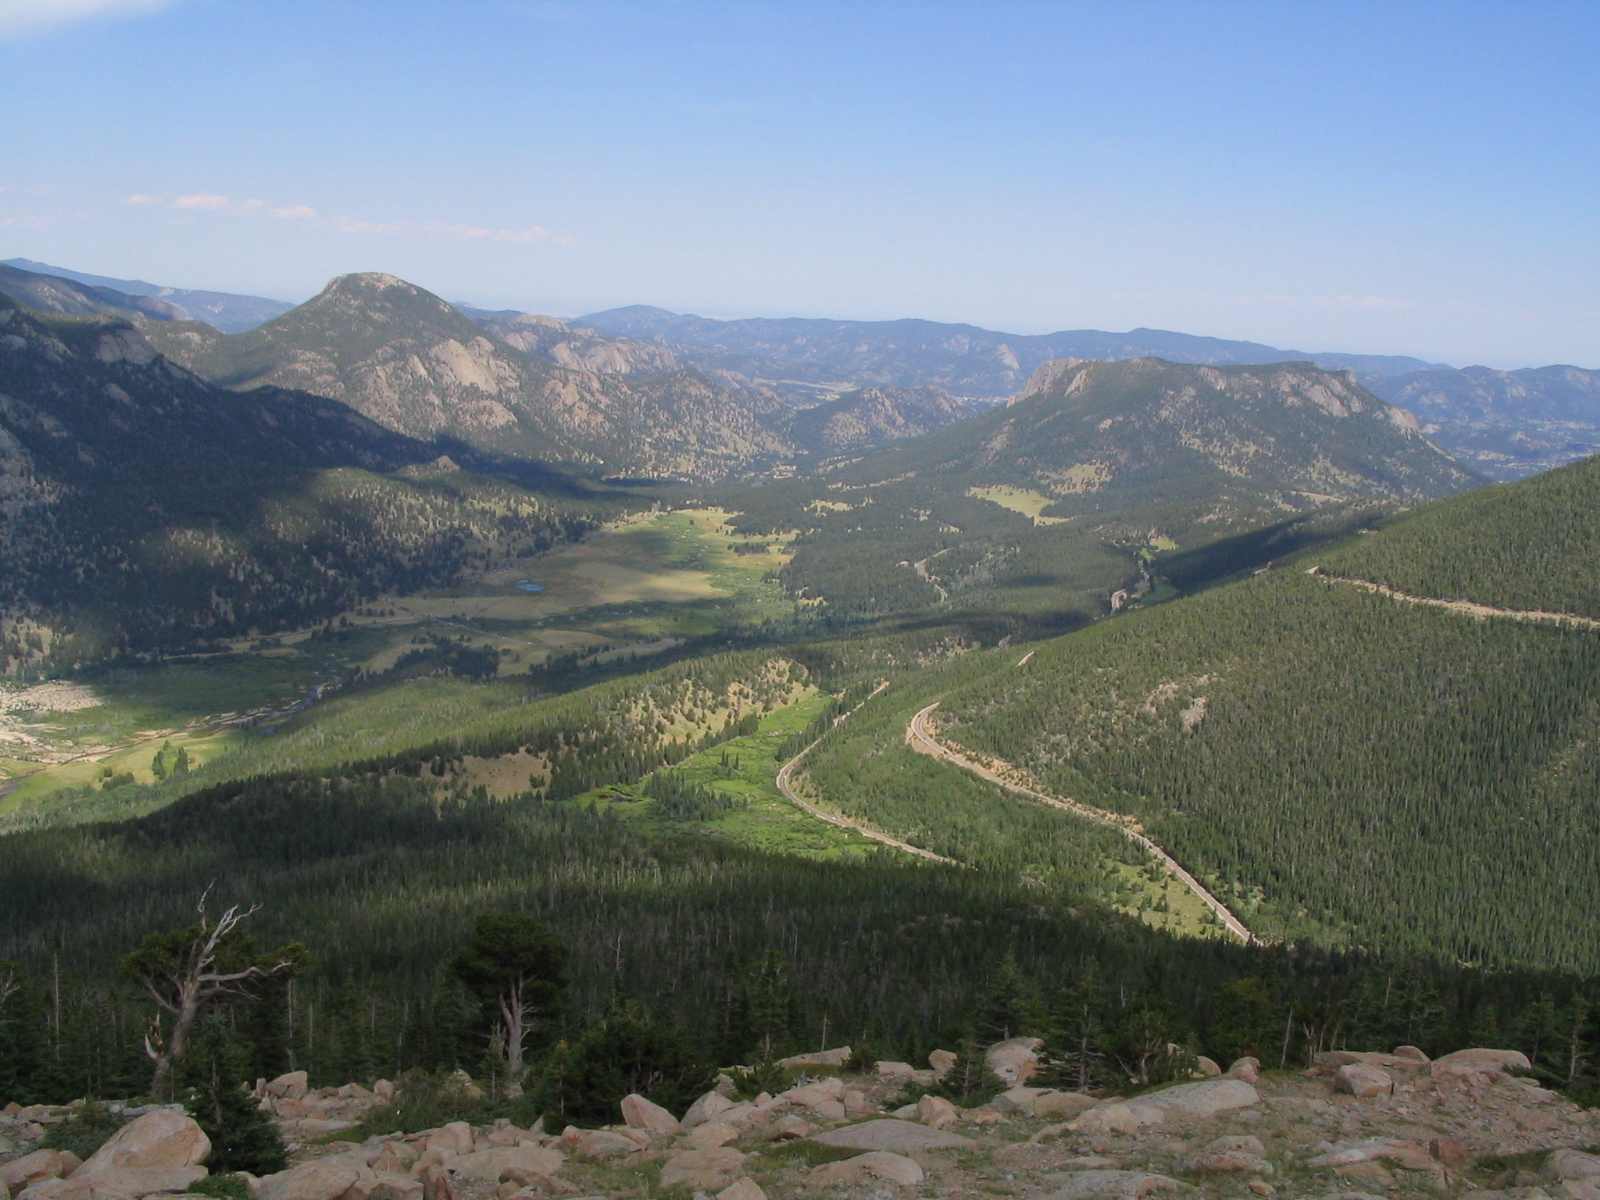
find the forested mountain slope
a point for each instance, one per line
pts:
(963, 359)
(873, 416)
(414, 364)
(1533, 544)
(1205, 444)
(141, 507)
(1416, 777)
(1037, 511)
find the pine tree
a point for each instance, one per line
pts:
(1075, 1044)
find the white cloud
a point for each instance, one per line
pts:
(207, 200)
(18, 17)
(141, 198)
(295, 212)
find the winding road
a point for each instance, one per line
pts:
(1467, 608)
(920, 737)
(786, 772)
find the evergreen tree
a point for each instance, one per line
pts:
(1075, 1044)
(1010, 1006)
(969, 1082)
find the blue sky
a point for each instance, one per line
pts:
(1387, 177)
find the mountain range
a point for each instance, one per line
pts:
(142, 508)
(226, 311)
(1506, 424)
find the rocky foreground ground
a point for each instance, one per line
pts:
(1355, 1126)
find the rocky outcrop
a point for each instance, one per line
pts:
(1185, 1102)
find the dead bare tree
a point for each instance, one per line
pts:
(187, 970)
(10, 985)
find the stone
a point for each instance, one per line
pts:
(893, 1168)
(710, 1136)
(1450, 1152)
(1016, 1100)
(859, 1103)
(31, 1168)
(703, 1170)
(436, 1183)
(292, 1086)
(1014, 1060)
(1186, 1101)
(1247, 1068)
(937, 1113)
(880, 1164)
(1362, 1079)
(940, 1062)
(895, 1070)
(383, 1090)
(492, 1165)
(394, 1158)
(597, 1144)
(639, 1113)
(454, 1138)
(1403, 1154)
(1207, 1066)
(391, 1186)
(1571, 1164)
(898, 1137)
(788, 1128)
(705, 1109)
(743, 1189)
(1084, 1185)
(1412, 1055)
(812, 1094)
(1055, 1105)
(1261, 1187)
(1330, 1061)
(319, 1179)
(819, 1058)
(162, 1138)
(1480, 1061)
(116, 1185)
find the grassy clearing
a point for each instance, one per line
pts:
(640, 587)
(1019, 500)
(747, 768)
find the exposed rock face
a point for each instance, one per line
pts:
(705, 1109)
(1186, 1101)
(900, 1137)
(320, 1179)
(31, 1168)
(158, 1139)
(416, 365)
(1014, 1060)
(703, 1170)
(1362, 1079)
(639, 1113)
(877, 1164)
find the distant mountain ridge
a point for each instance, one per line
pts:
(1507, 424)
(963, 359)
(417, 365)
(226, 311)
